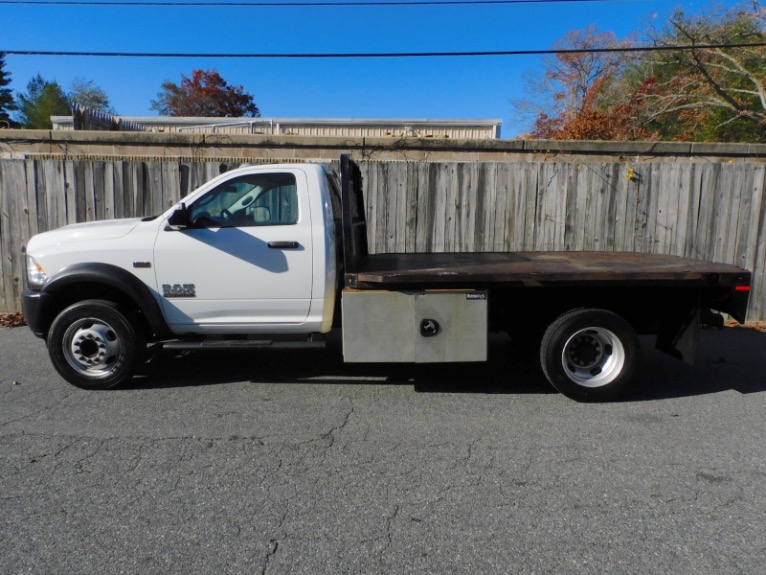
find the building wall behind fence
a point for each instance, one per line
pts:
(700, 207)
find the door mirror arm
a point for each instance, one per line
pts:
(179, 219)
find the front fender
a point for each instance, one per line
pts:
(42, 307)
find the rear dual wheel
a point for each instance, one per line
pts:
(590, 354)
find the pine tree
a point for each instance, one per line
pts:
(7, 103)
(42, 100)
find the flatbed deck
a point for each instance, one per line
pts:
(721, 287)
(530, 269)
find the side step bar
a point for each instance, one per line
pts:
(235, 344)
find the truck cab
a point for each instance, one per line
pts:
(253, 250)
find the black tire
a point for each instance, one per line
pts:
(590, 354)
(93, 345)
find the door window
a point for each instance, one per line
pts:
(267, 199)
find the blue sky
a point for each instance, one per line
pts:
(305, 88)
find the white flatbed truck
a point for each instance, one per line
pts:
(276, 256)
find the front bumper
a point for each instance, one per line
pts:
(33, 304)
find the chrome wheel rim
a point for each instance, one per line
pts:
(92, 347)
(593, 357)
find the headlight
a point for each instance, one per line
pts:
(35, 274)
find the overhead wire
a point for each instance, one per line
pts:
(343, 3)
(296, 3)
(335, 3)
(328, 55)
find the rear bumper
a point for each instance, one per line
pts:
(739, 302)
(733, 300)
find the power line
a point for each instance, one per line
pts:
(294, 4)
(553, 52)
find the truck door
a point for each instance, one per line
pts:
(244, 258)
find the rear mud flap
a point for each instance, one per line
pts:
(679, 336)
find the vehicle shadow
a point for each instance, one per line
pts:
(729, 359)
(506, 371)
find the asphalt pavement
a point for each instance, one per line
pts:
(288, 462)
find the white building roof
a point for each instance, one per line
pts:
(349, 127)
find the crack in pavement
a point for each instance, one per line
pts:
(388, 536)
(273, 548)
(331, 434)
(259, 440)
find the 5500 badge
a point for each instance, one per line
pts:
(179, 290)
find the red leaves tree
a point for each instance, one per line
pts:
(205, 94)
(573, 74)
(712, 88)
(620, 120)
(578, 81)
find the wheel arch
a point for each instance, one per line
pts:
(85, 281)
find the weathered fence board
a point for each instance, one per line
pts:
(758, 301)
(704, 210)
(14, 227)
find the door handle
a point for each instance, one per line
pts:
(284, 245)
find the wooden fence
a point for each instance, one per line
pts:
(84, 118)
(700, 209)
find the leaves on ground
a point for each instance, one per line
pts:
(12, 320)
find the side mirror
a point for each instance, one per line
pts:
(179, 219)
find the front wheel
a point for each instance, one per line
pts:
(590, 354)
(93, 345)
